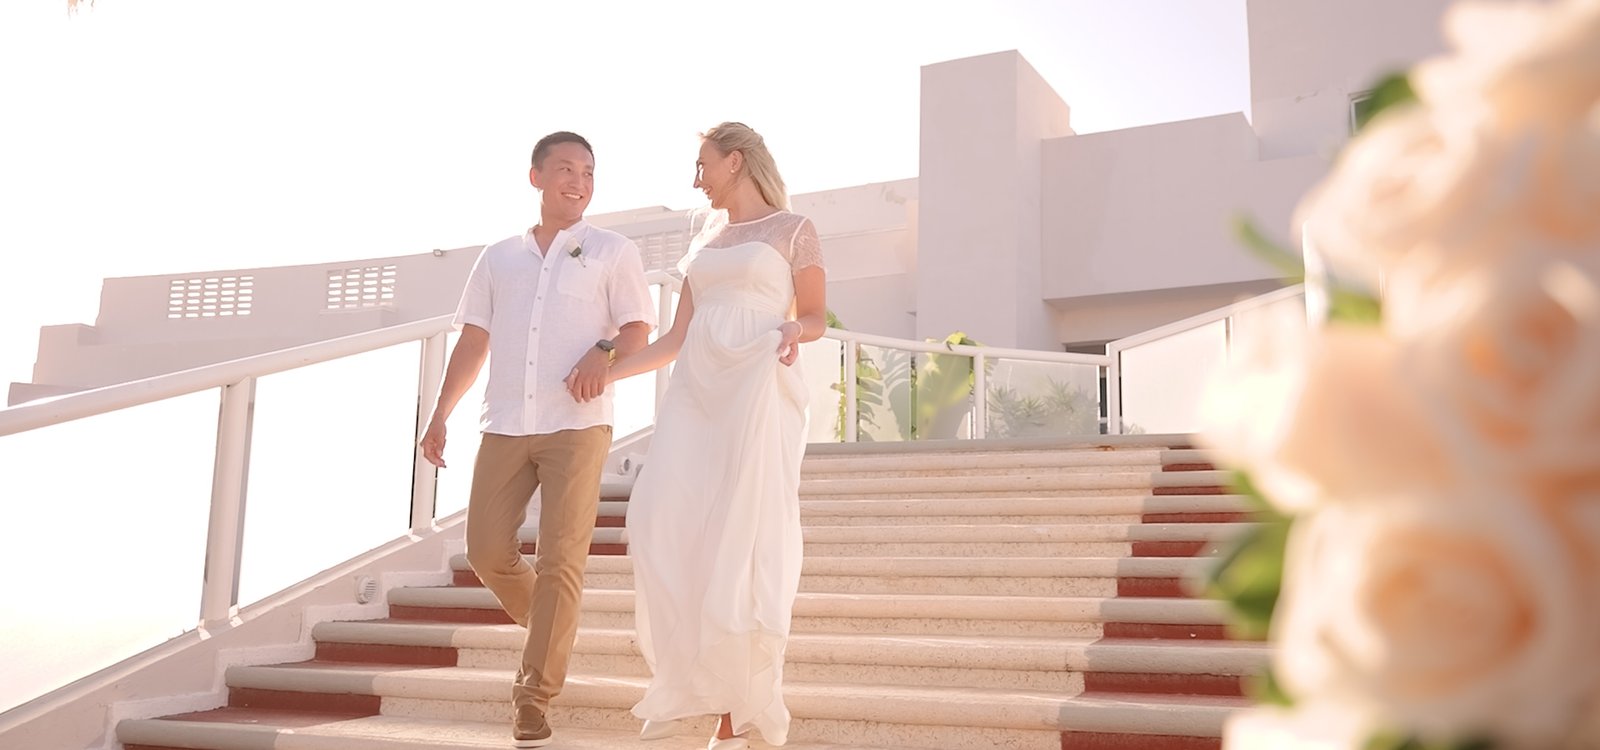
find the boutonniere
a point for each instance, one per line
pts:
(577, 252)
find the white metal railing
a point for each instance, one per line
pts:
(1228, 318)
(236, 382)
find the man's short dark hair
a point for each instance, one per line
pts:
(542, 148)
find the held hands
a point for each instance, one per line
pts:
(789, 344)
(588, 380)
(433, 443)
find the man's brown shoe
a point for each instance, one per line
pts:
(531, 729)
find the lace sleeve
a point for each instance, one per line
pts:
(805, 250)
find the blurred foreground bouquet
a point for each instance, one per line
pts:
(1431, 564)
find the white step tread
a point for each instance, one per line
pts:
(1035, 506)
(951, 567)
(397, 733)
(1024, 460)
(965, 707)
(975, 652)
(975, 533)
(1054, 609)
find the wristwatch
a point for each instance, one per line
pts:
(609, 348)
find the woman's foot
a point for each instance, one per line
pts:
(724, 739)
(659, 730)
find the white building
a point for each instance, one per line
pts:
(1018, 231)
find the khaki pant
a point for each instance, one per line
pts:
(544, 597)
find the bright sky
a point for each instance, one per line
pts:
(165, 136)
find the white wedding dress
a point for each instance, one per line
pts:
(714, 519)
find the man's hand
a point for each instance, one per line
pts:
(587, 381)
(433, 443)
(789, 346)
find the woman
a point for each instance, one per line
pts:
(714, 520)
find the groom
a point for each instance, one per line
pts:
(549, 309)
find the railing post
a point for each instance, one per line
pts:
(219, 598)
(1114, 391)
(850, 391)
(980, 398)
(424, 475)
(664, 311)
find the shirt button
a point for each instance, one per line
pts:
(530, 361)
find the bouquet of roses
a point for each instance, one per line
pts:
(1429, 449)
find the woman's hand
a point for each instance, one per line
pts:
(789, 343)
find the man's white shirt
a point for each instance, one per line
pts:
(543, 313)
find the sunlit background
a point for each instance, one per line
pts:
(166, 136)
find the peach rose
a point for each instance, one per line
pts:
(1332, 416)
(1508, 361)
(1517, 63)
(1452, 616)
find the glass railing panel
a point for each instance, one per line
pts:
(330, 466)
(104, 541)
(942, 397)
(822, 364)
(1164, 381)
(1042, 399)
(883, 394)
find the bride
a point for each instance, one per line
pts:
(714, 519)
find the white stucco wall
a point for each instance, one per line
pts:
(983, 119)
(1308, 56)
(1151, 208)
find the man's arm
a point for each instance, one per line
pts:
(466, 360)
(587, 381)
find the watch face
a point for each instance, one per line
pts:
(605, 346)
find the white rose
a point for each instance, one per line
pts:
(1450, 616)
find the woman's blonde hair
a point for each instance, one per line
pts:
(737, 136)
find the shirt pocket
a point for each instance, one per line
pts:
(580, 280)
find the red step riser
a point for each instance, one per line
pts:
(1209, 489)
(1153, 587)
(1219, 517)
(374, 653)
(288, 700)
(1198, 466)
(1162, 631)
(594, 549)
(447, 614)
(1175, 549)
(1163, 684)
(1114, 741)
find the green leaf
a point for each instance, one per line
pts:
(1288, 262)
(1250, 576)
(1351, 306)
(1392, 90)
(1265, 688)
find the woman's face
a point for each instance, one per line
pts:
(714, 174)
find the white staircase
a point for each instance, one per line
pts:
(986, 595)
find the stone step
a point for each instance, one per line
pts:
(1022, 540)
(1030, 485)
(1035, 510)
(1003, 576)
(1062, 664)
(990, 464)
(999, 540)
(918, 716)
(256, 729)
(927, 614)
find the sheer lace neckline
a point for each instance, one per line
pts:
(755, 221)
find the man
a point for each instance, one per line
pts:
(550, 309)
